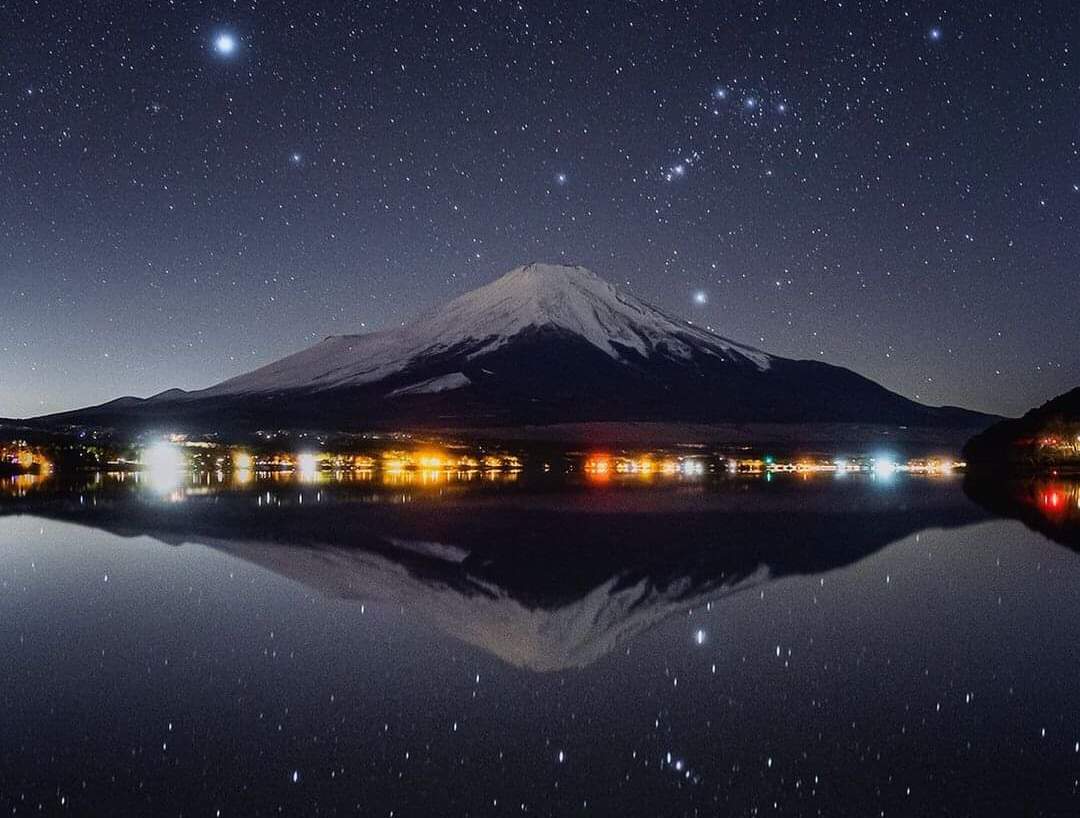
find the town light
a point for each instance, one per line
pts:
(164, 463)
(163, 457)
(430, 460)
(307, 464)
(884, 466)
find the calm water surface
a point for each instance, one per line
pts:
(727, 647)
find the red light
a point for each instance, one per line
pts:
(599, 468)
(1053, 500)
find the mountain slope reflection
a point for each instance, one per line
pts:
(544, 581)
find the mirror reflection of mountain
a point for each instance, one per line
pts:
(1048, 504)
(544, 579)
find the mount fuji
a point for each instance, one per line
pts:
(544, 344)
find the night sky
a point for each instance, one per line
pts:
(189, 190)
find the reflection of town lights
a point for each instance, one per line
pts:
(242, 461)
(1053, 500)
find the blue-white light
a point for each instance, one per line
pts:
(884, 466)
(225, 44)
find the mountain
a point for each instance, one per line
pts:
(1046, 437)
(543, 344)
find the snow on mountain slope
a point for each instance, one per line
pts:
(535, 296)
(444, 383)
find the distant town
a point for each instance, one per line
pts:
(395, 456)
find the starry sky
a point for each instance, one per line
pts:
(192, 189)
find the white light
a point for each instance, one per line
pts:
(162, 456)
(225, 44)
(164, 463)
(701, 297)
(884, 466)
(307, 464)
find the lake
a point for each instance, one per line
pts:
(539, 646)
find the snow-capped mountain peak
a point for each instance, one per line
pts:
(533, 297)
(576, 300)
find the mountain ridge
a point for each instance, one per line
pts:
(543, 344)
(541, 296)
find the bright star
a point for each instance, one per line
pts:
(750, 103)
(720, 93)
(560, 178)
(225, 44)
(935, 34)
(296, 158)
(701, 297)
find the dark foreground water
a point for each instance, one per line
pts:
(801, 647)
